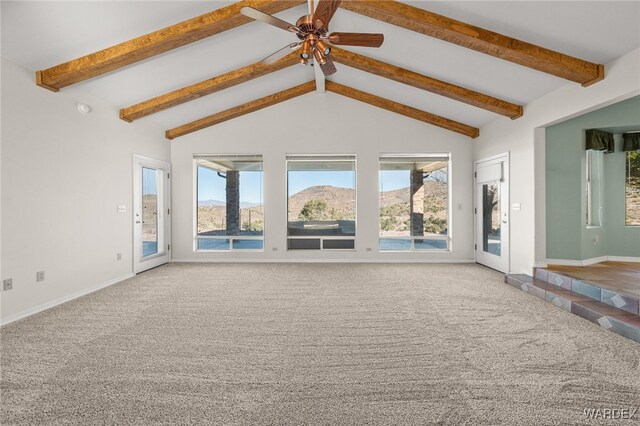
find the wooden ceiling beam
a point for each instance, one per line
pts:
(405, 110)
(205, 87)
(479, 39)
(241, 110)
(424, 82)
(155, 43)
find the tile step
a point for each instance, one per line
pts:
(625, 301)
(604, 314)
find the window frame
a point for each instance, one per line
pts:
(290, 157)
(231, 238)
(449, 237)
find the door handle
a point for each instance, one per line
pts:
(137, 221)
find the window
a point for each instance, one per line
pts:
(594, 173)
(632, 191)
(230, 215)
(321, 203)
(414, 202)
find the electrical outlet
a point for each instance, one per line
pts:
(40, 276)
(118, 256)
(7, 284)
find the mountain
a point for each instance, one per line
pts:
(203, 203)
(218, 203)
(341, 199)
(399, 196)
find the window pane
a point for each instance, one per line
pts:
(149, 212)
(595, 171)
(633, 188)
(213, 244)
(428, 244)
(229, 200)
(247, 244)
(491, 242)
(395, 244)
(414, 201)
(321, 196)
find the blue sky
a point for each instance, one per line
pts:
(149, 183)
(212, 187)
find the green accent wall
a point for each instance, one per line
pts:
(567, 234)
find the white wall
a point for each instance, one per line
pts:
(63, 174)
(321, 123)
(526, 142)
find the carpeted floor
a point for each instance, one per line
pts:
(313, 344)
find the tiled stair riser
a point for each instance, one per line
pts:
(559, 280)
(586, 289)
(621, 302)
(559, 301)
(609, 297)
(610, 318)
(605, 321)
(524, 283)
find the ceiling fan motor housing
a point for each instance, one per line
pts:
(308, 27)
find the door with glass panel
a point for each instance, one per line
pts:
(492, 212)
(151, 211)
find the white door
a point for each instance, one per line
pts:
(151, 223)
(492, 212)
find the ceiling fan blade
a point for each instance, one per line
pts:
(281, 53)
(268, 19)
(356, 39)
(325, 10)
(328, 68)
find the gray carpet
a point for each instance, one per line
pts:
(313, 344)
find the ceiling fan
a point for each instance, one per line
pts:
(313, 32)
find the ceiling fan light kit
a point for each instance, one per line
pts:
(319, 57)
(313, 33)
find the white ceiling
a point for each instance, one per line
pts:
(39, 35)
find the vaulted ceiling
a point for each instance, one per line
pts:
(479, 87)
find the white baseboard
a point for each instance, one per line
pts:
(624, 259)
(221, 260)
(592, 261)
(61, 300)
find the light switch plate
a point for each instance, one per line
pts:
(122, 209)
(515, 207)
(7, 284)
